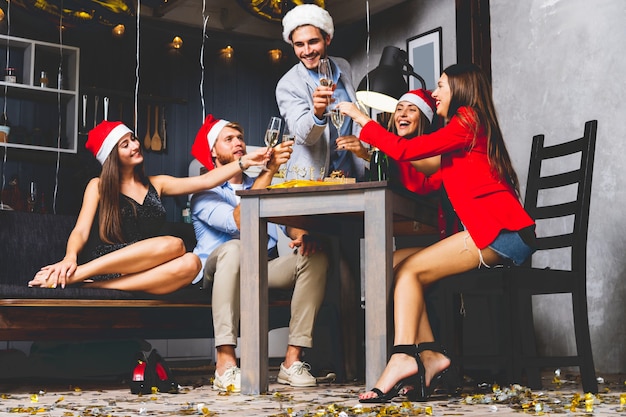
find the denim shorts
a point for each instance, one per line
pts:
(512, 247)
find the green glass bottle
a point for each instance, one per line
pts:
(379, 166)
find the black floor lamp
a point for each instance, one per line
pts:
(381, 88)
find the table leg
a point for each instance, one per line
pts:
(378, 234)
(254, 299)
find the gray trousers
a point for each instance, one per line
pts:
(305, 274)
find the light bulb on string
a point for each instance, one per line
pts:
(275, 55)
(227, 53)
(177, 42)
(118, 30)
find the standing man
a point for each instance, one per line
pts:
(215, 215)
(304, 104)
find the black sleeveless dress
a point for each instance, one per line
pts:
(139, 221)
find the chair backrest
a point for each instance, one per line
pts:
(558, 197)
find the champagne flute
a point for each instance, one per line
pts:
(272, 134)
(325, 74)
(288, 135)
(337, 118)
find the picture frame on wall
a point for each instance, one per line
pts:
(426, 58)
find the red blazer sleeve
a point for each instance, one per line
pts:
(454, 136)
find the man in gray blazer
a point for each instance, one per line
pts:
(304, 103)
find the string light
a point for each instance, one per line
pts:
(205, 19)
(118, 30)
(227, 53)
(177, 42)
(137, 65)
(4, 110)
(59, 87)
(275, 55)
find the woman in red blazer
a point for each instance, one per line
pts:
(482, 186)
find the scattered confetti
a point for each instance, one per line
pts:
(335, 400)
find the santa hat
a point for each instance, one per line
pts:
(205, 139)
(424, 101)
(103, 138)
(307, 14)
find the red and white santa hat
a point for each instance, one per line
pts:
(103, 138)
(205, 139)
(424, 101)
(307, 14)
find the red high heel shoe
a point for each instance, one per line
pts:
(163, 376)
(141, 381)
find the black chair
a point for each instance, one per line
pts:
(515, 286)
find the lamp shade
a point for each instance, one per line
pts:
(381, 88)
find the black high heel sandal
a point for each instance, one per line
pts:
(446, 376)
(410, 381)
(163, 378)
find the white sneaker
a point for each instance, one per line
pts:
(297, 375)
(229, 382)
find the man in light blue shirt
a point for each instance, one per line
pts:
(215, 215)
(304, 103)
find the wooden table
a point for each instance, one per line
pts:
(374, 206)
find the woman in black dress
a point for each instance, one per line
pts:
(123, 209)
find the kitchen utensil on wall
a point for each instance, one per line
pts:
(106, 108)
(95, 111)
(157, 143)
(164, 129)
(84, 125)
(147, 141)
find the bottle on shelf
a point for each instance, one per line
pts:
(10, 75)
(43, 79)
(379, 166)
(187, 213)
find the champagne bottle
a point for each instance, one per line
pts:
(379, 166)
(187, 213)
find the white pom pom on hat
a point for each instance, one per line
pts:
(307, 14)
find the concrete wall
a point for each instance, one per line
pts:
(407, 20)
(556, 64)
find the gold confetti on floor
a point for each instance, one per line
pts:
(196, 398)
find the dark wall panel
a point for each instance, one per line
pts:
(241, 90)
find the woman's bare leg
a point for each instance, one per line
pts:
(162, 279)
(139, 256)
(157, 265)
(453, 255)
(401, 254)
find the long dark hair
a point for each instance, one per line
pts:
(469, 87)
(110, 218)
